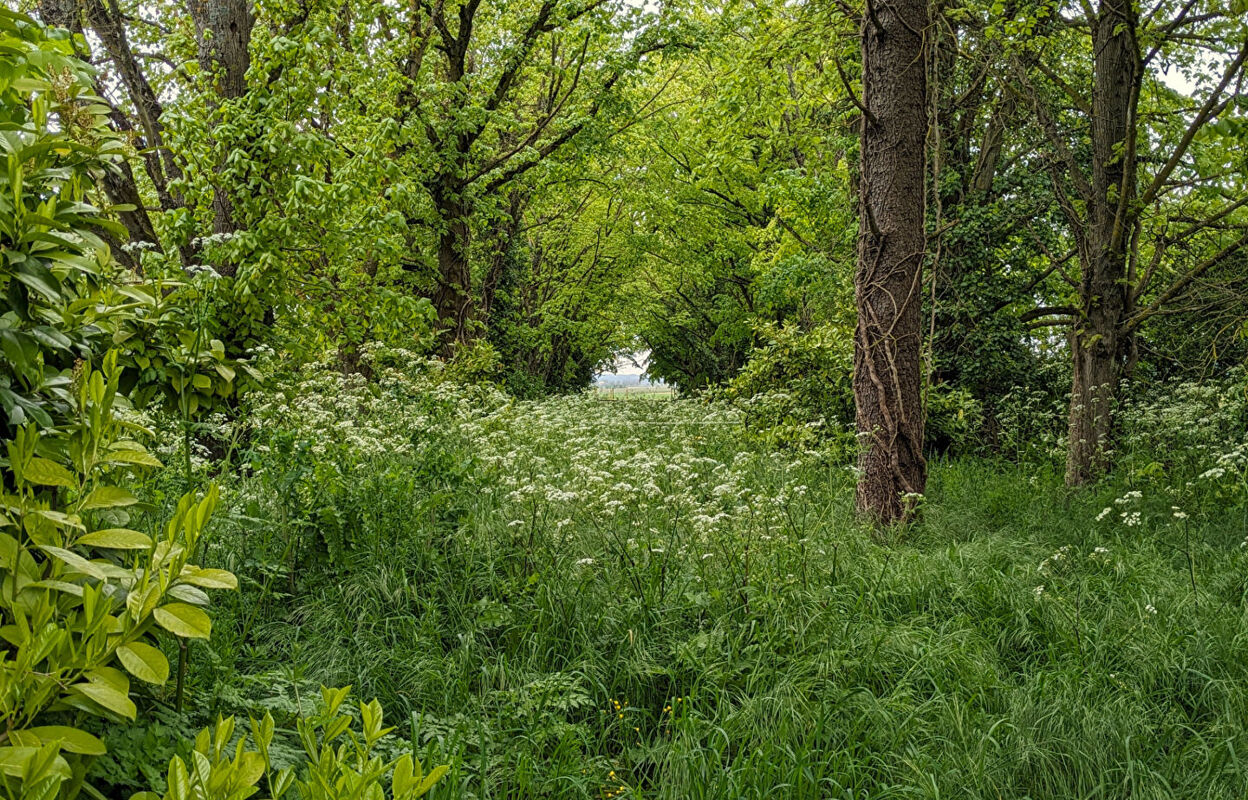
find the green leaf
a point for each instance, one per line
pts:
(75, 562)
(15, 760)
(108, 497)
(432, 778)
(188, 594)
(117, 539)
(179, 780)
(402, 779)
(39, 278)
(139, 457)
(59, 518)
(48, 473)
(209, 578)
(183, 620)
(144, 662)
(70, 739)
(250, 769)
(108, 697)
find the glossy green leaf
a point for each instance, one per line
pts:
(116, 539)
(108, 697)
(183, 620)
(145, 662)
(48, 473)
(108, 497)
(71, 740)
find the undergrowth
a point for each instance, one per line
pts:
(575, 598)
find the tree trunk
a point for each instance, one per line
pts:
(118, 182)
(223, 35)
(891, 244)
(453, 297)
(1100, 341)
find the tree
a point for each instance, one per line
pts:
(222, 35)
(493, 90)
(1134, 232)
(891, 247)
(991, 212)
(741, 191)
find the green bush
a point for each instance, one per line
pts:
(797, 389)
(85, 599)
(955, 420)
(341, 762)
(55, 297)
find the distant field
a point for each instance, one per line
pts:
(633, 392)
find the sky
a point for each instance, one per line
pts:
(633, 364)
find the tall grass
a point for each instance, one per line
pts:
(578, 599)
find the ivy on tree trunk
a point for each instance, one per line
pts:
(891, 245)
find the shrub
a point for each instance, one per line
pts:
(54, 294)
(815, 399)
(797, 391)
(341, 762)
(86, 598)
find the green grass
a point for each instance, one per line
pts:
(800, 654)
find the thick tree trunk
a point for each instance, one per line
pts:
(453, 297)
(1100, 342)
(223, 35)
(891, 244)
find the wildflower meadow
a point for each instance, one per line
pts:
(587, 598)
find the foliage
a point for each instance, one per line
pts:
(85, 597)
(171, 363)
(561, 594)
(955, 420)
(796, 390)
(635, 593)
(332, 771)
(1183, 426)
(55, 144)
(746, 192)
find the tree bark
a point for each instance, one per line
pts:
(223, 36)
(891, 245)
(118, 182)
(1100, 341)
(452, 299)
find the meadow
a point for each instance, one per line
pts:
(582, 599)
